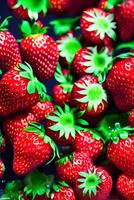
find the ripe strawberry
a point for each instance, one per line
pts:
(2, 143)
(89, 96)
(32, 141)
(125, 186)
(63, 124)
(62, 92)
(124, 16)
(120, 149)
(68, 168)
(96, 24)
(94, 183)
(19, 90)
(68, 45)
(120, 83)
(131, 118)
(2, 168)
(28, 9)
(39, 50)
(88, 60)
(9, 50)
(59, 6)
(15, 124)
(89, 143)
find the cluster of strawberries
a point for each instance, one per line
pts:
(82, 133)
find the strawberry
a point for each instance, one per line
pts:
(2, 143)
(64, 123)
(2, 168)
(68, 168)
(88, 60)
(68, 45)
(94, 183)
(62, 92)
(9, 50)
(120, 83)
(28, 9)
(131, 118)
(96, 24)
(124, 16)
(120, 149)
(108, 5)
(15, 124)
(13, 190)
(59, 6)
(89, 96)
(39, 50)
(88, 142)
(32, 141)
(20, 88)
(125, 186)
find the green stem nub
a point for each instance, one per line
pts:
(90, 182)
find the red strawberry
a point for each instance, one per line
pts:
(62, 92)
(39, 50)
(68, 168)
(131, 118)
(2, 168)
(120, 83)
(120, 149)
(89, 96)
(28, 9)
(68, 46)
(19, 90)
(94, 183)
(124, 16)
(42, 109)
(108, 5)
(125, 186)
(96, 24)
(88, 60)
(89, 143)
(33, 142)
(9, 49)
(2, 143)
(63, 124)
(59, 6)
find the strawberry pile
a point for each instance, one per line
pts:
(67, 100)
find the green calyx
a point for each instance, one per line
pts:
(38, 129)
(28, 29)
(98, 63)
(13, 191)
(66, 81)
(1, 139)
(90, 182)
(112, 3)
(34, 7)
(63, 25)
(101, 24)
(65, 159)
(5, 23)
(68, 47)
(68, 122)
(93, 95)
(34, 84)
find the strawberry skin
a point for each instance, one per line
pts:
(68, 168)
(88, 95)
(96, 24)
(9, 51)
(41, 52)
(131, 118)
(122, 182)
(13, 91)
(120, 83)
(25, 145)
(2, 143)
(2, 168)
(84, 142)
(122, 155)
(124, 16)
(58, 6)
(101, 188)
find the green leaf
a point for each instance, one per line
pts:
(4, 24)
(124, 135)
(31, 87)
(25, 75)
(25, 28)
(112, 3)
